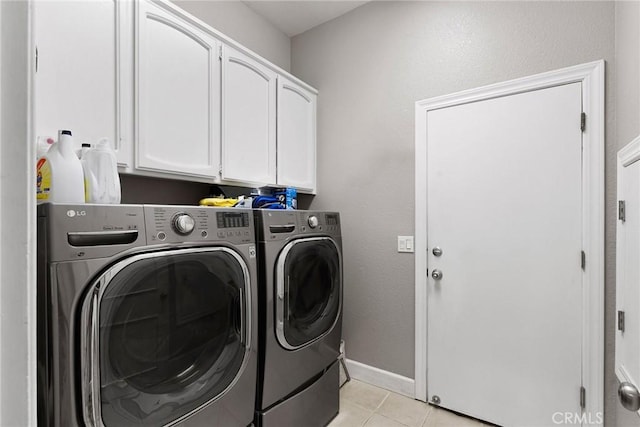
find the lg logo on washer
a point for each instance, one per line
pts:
(71, 213)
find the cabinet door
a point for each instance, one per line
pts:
(248, 120)
(178, 81)
(296, 136)
(82, 81)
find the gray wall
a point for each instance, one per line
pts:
(238, 21)
(370, 66)
(627, 28)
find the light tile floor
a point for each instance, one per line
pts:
(362, 404)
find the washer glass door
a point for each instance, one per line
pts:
(309, 291)
(169, 335)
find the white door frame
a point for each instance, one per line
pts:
(18, 338)
(591, 75)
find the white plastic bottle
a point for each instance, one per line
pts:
(87, 175)
(59, 173)
(102, 181)
(84, 148)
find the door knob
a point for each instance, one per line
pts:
(437, 251)
(436, 274)
(629, 396)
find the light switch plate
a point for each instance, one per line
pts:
(405, 243)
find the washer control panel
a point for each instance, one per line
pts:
(177, 224)
(87, 231)
(313, 221)
(183, 223)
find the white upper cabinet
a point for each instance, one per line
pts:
(248, 119)
(82, 82)
(178, 95)
(296, 136)
(176, 98)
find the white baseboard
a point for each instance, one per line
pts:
(380, 378)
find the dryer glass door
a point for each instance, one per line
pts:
(169, 333)
(309, 287)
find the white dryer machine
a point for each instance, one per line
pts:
(146, 316)
(300, 293)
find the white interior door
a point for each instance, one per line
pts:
(628, 268)
(504, 205)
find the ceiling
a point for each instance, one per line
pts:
(295, 17)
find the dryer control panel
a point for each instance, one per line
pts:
(274, 225)
(319, 222)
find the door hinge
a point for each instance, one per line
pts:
(583, 397)
(621, 320)
(583, 121)
(220, 170)
(583, 260)
(36, 59)
(622, 211)
(220, 52)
